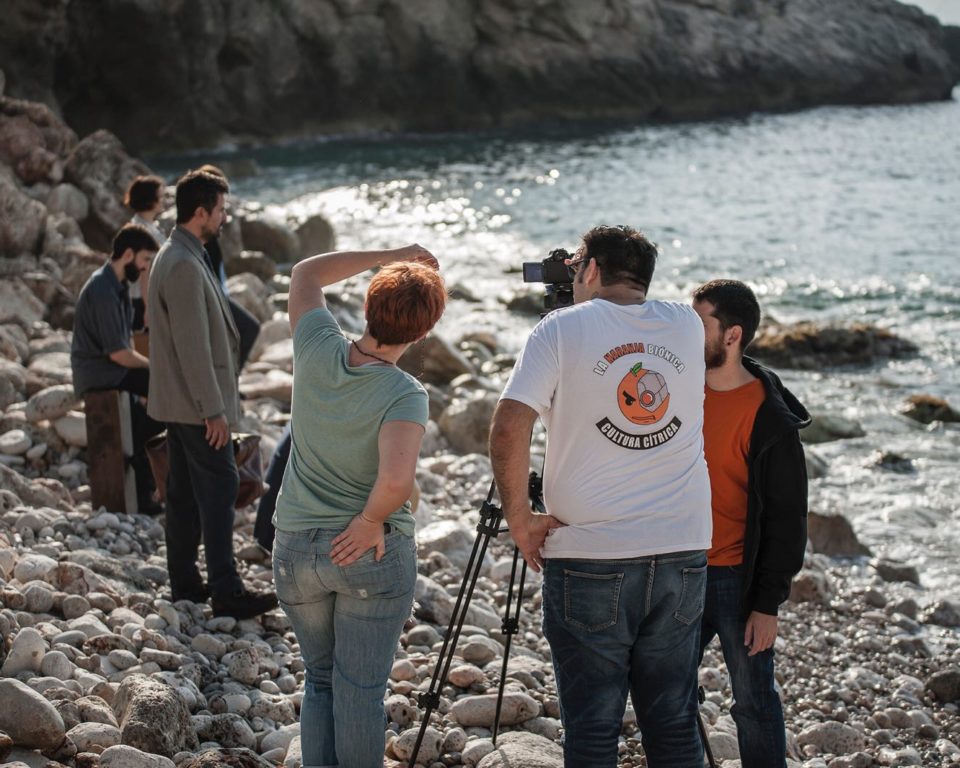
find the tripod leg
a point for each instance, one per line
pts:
(489, 525)
(511, 625)
(706, 742)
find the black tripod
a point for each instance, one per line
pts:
(491, 517)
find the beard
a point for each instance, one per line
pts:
(212, 232)
(715, 355)
(131, 272)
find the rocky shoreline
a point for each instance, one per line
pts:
(166, 76)
(98, 669)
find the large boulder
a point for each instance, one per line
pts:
(927, 408)
(833, 535)
(18, 304)
(316, 236)
(153, 717)
(29, 719)
(250, 293)
(271, 236)
(518, 748)
(33, 141)
(810, 346)
(465, 423)
(102, 169)
(435, 360)
(22, 219)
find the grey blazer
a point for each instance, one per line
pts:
(194, 343)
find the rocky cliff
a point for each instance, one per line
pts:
(179, 74)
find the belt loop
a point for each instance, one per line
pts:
(313, 535)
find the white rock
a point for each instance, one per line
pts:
(51, 403)
(243, 665)
(724, 746)
(38, 596)
(16, 442)
(208, 645)
(37, 451)
(475, 751)
(29, 719)
(122, 756)
(72, 428)
(281, 738)
(481, 710)
(429, 748)
(26, 655)
(94, 737)
(56, 664)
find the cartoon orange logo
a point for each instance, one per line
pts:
(643, 396)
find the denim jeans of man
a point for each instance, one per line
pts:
(757, 710)
(626, 625)
(201, 488)
(348, 621)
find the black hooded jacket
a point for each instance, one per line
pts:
(776, 528)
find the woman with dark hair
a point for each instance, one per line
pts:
(144, 197)
(344, 559)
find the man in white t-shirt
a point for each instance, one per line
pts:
(618, 383)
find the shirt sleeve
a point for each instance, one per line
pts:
(413, 406)
(536, 374)
(314, 333)
(108, 317)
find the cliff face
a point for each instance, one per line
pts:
(176, 74)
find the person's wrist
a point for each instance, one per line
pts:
(366, 519)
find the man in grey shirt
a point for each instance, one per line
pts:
(101, 355)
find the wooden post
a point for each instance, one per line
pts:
(109, 448)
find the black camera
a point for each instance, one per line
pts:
(556, 277)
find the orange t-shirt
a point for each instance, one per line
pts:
(727, 423)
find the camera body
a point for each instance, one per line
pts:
(554, 274)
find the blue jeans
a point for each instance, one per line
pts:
(757, 710)
(348, 621)
(619, 625)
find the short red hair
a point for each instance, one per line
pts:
(404, 301)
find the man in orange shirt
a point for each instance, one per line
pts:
(758, 483)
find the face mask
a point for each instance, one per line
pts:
(131, 272)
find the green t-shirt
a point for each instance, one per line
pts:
(336, 416)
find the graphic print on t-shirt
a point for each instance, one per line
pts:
(643, 398)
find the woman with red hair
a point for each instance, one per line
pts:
(344, 558)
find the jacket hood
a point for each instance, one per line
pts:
(783, 407)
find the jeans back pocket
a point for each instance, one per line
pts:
(591, 600)
(692, 595)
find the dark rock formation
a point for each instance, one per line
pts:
(926, 409)
(809, 346)
(187, 74)
(833, 535)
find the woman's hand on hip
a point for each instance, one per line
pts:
(362, 534)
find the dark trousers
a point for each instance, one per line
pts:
(756, 709)
(137, 382)
(201, 488)
(248, 327)
(263, 531)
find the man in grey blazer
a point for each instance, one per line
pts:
(194, 348)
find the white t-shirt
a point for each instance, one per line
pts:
(619, 389)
